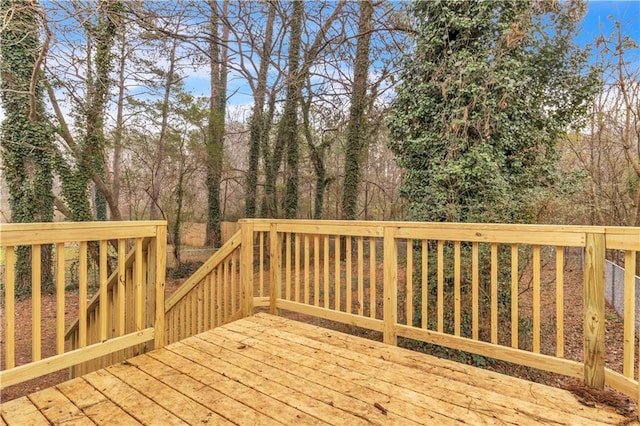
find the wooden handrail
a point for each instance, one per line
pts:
(207, 267)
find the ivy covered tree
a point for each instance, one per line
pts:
(26, 137)
(356, 132)
(484, 98)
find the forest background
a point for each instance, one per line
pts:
(205, 112)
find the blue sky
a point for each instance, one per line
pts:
(597, 20)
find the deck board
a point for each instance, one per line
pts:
(182, 406)
(57, 408)
(271, 370)
(94, 404)
(395, 390)
(218, 399)
(550, 398)
(140, 406)
(300, 388)
(404, 405)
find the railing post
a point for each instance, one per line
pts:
(275, 268)
(160, 261)
(390, 288)
(594, 317)
(246, 268)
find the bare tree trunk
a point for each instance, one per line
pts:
(156, 180)
(117, 135)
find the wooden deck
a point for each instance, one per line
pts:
(271, 370)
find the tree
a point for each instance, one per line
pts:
(26, 135)
(288, 126)
(215, 133)
(89, 36)
(357, 117)
(484, 97)
(257, 123)
(317, 153)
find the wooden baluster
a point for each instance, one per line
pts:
(360, 275)
(36, 302)
(337, 274)
(514, 296)
(475, 280)
(60, 297)
(629, 312)
(536, 298)
(456, 288)
(348, 283)
(120, 304)
(440, 299)
(200, 301)
(234, 285)
(206, 302)
(10, 307)
(306, 269)
(219, 295)
(325, 272)
(494, 293)
(193, 307)
(287, 270)
(227, 296)
(297, 281)
(409, 283)
(139, 289)
(213, 310)
(82, 295)
(103, 290)
(425, 283)
(316, 270)
(560, 302)
(372, 277)
(261, 268)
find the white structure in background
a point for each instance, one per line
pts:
(614, 290)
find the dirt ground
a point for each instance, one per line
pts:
(573, 346)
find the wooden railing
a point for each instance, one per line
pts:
(479, 288)
(119, 271)
(627, 241)
(491, 290)
(209, 298)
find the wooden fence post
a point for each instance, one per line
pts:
(594, 318)
(246, 268)
(390, 289)
(160, 260)
(275, 268)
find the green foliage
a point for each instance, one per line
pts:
(184, 270)
(27, 137)
(487, 92)
(87, 159)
